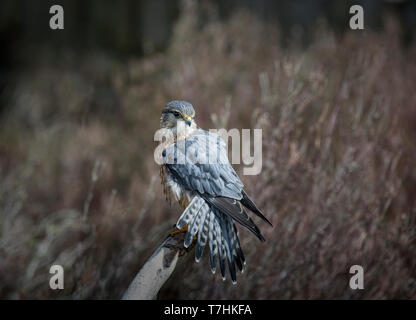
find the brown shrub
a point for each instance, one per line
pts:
(79, 186)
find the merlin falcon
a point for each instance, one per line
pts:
(196, 172)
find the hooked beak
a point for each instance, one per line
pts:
(188, 121)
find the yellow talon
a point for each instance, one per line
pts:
(184, 229)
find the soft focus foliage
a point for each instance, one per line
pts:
(79, 186)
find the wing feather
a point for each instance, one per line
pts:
(249, 204)
(235, 210)
(191, 165)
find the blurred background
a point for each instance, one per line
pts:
(79, 108)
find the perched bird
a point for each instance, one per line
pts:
(196, 172)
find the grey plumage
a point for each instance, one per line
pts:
(199, 165)
(216, 178)
(213, 247)
(202, 233)
(190, 212)
(181, 106)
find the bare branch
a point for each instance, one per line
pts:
(157, 269)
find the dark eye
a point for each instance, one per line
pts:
(176, 114)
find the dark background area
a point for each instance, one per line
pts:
(140, 27)
(130, 27)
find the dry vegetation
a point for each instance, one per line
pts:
(79, 186)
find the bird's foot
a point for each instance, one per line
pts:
(184, 229)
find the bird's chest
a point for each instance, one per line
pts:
(172, 189)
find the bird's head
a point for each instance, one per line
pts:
(178, 116)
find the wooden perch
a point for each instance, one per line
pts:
(157, 269)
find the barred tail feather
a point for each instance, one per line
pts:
(240, 253)
(227, 246)
(202, 233)
(209, 224)
(190, 212)
(213, 247)
(237, 253)
(193, 228)
(221, 248)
